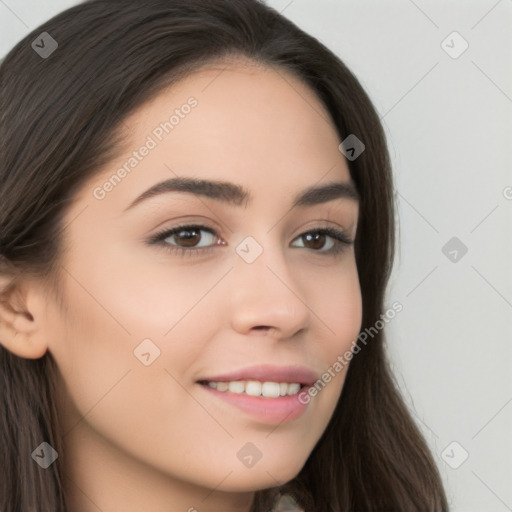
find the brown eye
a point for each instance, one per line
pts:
(195, 240)
(325, 241)
(188, 236)
(316, 240)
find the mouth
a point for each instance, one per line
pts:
(267, 394)
(267, 389)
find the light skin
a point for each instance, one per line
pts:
(150, 437)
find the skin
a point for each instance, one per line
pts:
(149, 437)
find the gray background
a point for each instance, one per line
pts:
(448, 121)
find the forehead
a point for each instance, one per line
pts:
(255, 125)
(238, 85)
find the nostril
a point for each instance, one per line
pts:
(263, 328)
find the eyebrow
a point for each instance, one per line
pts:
(235, 195)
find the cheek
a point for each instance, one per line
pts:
(334, 298)
(124, 304)
(122, 316)
(154, 293)
(136, 298)
(336, 303)
(143, 409)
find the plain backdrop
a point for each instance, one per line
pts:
(445, 100)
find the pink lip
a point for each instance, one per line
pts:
(268, 373)
(272, 411)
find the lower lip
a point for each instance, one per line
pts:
(266, 410)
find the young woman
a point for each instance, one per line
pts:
(197, 223)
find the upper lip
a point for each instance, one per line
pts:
(268, 373)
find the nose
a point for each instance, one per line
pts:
(265, 297)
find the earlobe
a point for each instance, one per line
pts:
(19, 331)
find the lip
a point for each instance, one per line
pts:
(270, 411)
(268, 373)
(265, 410)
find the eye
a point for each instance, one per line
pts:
(188, 237)
(338, 240)
(191, 242)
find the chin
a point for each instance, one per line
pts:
(261, 476)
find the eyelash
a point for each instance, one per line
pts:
(342, 241)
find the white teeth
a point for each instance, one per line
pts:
(222, 386)
(270, 389)
(253, 388)
(237, 386)
(257, 388)
(293, 388)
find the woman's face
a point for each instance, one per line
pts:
(259, 296)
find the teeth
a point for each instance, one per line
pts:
(253, 388)
(270, 389)
(236, 387)
(293, 388)
(256, 388)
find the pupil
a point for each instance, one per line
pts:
(317, 237)
(189, 237)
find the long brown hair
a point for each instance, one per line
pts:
(59, 117)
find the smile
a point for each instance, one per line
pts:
(256, 388)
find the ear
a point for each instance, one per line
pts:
(21, 315)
